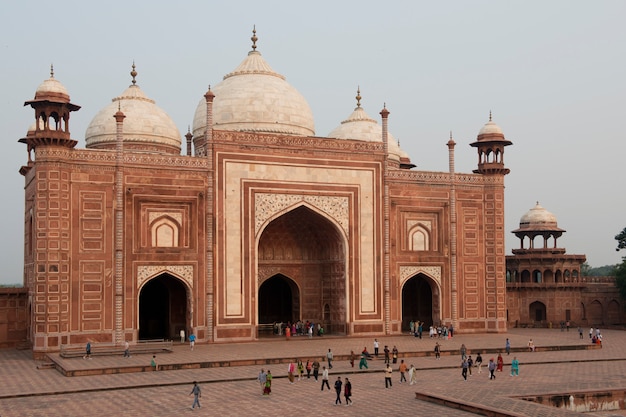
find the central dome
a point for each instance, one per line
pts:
(254, 98)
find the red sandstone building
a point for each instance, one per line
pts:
(253, 219)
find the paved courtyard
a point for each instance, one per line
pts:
(233, 390)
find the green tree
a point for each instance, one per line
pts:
(620, 270)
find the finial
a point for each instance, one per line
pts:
(254, 38)
(188, 129)
(119, 106)
(358, 96)
(51, 70)
(489, 115)
(450, 135)
(133, 74)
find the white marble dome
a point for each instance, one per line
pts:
(146, 126)
(538, 218)
(490, 128)
(51, 85)
(254, 98)
(360, 126)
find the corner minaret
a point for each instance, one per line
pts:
(490, 143)
(52, 115)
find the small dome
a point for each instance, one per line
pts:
(360, 126)
(490, 127)
(254, 98)
(538, 219)
(146, 126)
(491, 132)
(51, 90)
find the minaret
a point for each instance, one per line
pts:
(119, 222)
(453, 237)
(386, 261)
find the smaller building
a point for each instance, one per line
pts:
(545, 286)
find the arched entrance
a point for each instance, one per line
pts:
(537, 311)
(417, 302)
(162, 308)
(279, 300)
(309, 249)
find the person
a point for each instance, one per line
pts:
(590, 332)
(388, 372)
(412, 327)
(316, 369)
(126, 349)
(437, 351)
(386, 351)
(182, 336)
(479, 362)
(363, 362)
(87, 350)
(412, 375)
(300, 368)
(492, 369)
(376, 347)
(196, 395)
(464, 366)
(394, 354)
(420, 329)
(514, 367)
(451, 331)
(338, 385)
(470, 363)
(366, 353)
(402, 368)
(291, 368)
(325, 378)
(347, 392)
(352, 358)
(567, 326)
(463, 351)
(262, 378)
(580, 332)
(311, 331)
(507, 346)
(329, 357)
(268, 383)
(500, 363)
(154, 364)
(309, 366)
(531, 345)
(192, 340)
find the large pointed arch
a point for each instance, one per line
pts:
(421, 300)
(164, 307)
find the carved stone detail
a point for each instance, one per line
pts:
(408, 271)
(156, 214)
(145, 272)
(268, 204)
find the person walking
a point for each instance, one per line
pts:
(376, 347)
(580, 332)
(329, 357)
(192, 341)
(363, 362)
(437, 351)
(347, 392)
(154, 364)
(590, 332)
(338, 385)
(464, 366)
(492, 369)
(499, 363)
(394, 354)
(316, 369)
(262, 378)
(463, 351)
(300, 368)
(309, 367)
(182, 336)
(388, 372)
(470, 363)
(87, 350)
(412, 375)
(268, 383)
(126, 349)
(412, 328)
(479, 362)
(514, 367)
(507, 346)
(402, 368)
(352, 358)
(291, 369)
(386, 351)
(325, 378)
(196, 395)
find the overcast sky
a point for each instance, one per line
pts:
(552, 72)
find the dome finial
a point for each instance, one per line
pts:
(254, 38)
(358, 96)
(133, 74)
(489, 115)
(51, 70)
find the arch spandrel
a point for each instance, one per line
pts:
(408, 271)
(146, 272)
(267, 206)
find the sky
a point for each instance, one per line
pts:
(553, 74)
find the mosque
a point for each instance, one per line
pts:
(250, 219)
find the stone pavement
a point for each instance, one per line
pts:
(233, 390)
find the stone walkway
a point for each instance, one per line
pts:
(233, 390)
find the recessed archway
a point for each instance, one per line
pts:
(279, 300)
(309, 249)
(537, 311)
(162, 308)
(417, 302)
